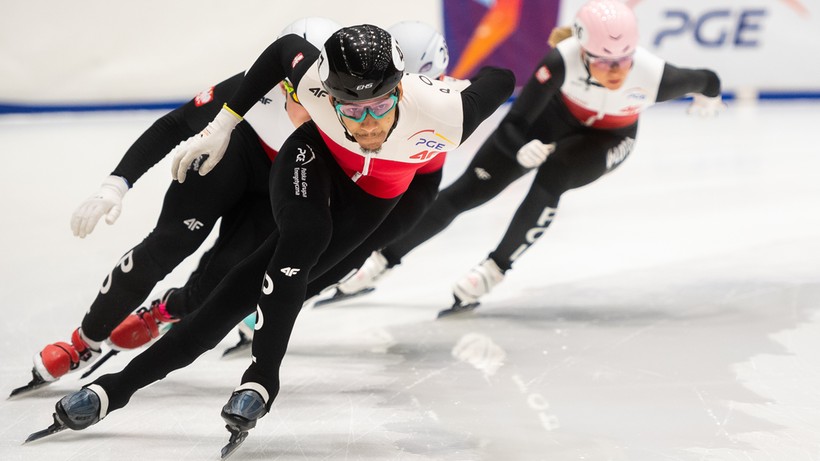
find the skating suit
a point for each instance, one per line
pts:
(326, 197)
(594, 129)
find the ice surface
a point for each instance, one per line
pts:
(671, 312)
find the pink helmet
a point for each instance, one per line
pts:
(606, 28)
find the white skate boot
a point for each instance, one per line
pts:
(362, 282)
(473, 285)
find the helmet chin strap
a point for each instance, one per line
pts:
(588, 80)
(395, 122)
(344, 127)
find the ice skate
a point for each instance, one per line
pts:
(76, 411)
(361, 282)
(143, 326)
(244, 408)
(472, 286)
(58, 359)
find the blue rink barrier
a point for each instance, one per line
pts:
(51, 108)
(168, 105)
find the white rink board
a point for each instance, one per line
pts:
(98, 52)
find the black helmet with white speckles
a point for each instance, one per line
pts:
(360, 63)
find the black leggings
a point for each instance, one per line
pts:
(411, 207)
(582, 155)
(236, 192)
(320, 217)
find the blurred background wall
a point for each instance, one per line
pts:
(101, 54)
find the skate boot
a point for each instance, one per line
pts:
(83, 408)
(144, 325)
(362, 282)
(473, 285)
(246, 405)
(58, 359)
(76, 411)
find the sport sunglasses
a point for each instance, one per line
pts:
(357, 111)
(603, 63)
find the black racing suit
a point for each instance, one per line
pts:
(582, 155)
(320, 215)
(236, 192)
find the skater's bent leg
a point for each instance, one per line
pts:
(577, 161)
(408, 211)
(305, 234)
(168, 244)
(530, 221)
(488, 174)
(232, 300)
(242, 231)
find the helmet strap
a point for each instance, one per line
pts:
(395, 122)
(588, 81)
(397, 92)
(344, 127)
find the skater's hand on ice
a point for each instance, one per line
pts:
(208, 146)
(706, 106)
(107, 201)
(534, 153)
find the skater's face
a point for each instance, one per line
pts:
(609, 72)
(297, 114)
(369, 122)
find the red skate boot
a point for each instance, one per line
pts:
(58, 359)
(143, 326)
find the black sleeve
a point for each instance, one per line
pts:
(171, 129)
(288, 57)
(677, 82)
(545, 83)
(490, 88)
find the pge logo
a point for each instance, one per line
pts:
(431, 143)
(715, 28)
(432, 146)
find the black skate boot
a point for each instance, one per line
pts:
(82, 408)
(76, 411)
(243, 409)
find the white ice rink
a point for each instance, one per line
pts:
(671, 312)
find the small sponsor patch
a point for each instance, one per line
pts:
(204, 97)
(296, 60)
(542, 74)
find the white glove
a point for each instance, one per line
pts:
(211, 142)
(107, 201)
(534, 153)
(706, 106)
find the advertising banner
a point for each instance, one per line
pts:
(765, 47)
(757, 46)
(504, 33)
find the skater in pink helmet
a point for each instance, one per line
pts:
(574, 121)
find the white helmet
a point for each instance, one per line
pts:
(424, 48)
(314, 29)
